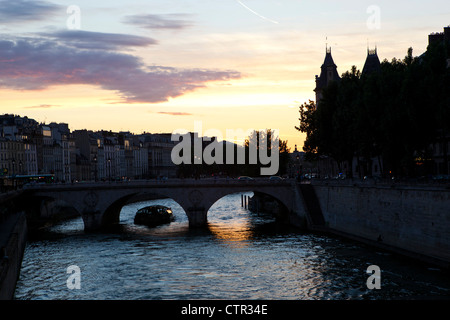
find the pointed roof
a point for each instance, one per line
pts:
(328, 60)
(372, 62)
(327, 66)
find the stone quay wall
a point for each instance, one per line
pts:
(414, 220)
(13, 237)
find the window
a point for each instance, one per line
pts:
(46, 132)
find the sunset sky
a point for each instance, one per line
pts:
(161, 65)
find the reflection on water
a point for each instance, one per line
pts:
(241, 255)
(237, 233)
(233, 228)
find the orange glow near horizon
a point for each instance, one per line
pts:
(87, 107)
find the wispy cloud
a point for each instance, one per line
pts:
(43, 106)
(39, 63)
(26, 10)
(153, 21)
(99, 40)
(176, 113)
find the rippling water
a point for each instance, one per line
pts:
(242, 255)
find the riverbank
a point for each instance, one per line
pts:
(13, 237)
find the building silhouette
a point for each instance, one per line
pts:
(372, 63)
(29, 148)
(440, 148)
(327, 166)
(439, 37)
(328, 74)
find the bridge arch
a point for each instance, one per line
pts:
(42, 209)
(111, 214)
(207, 197)
(276, 197)
(196, 202)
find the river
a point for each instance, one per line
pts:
(242, 255)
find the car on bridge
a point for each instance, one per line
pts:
(245, 178)
(276, 178)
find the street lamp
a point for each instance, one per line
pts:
(95, 169)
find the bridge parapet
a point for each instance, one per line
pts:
(158, 184)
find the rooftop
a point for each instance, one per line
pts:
(328, 70)
(372, 63)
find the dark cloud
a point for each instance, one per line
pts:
(36, 64)
(26, 10)
(153, 21)
(99, 40)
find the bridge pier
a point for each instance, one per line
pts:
(197, 217)
(92, 221)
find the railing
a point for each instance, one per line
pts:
(387, 183)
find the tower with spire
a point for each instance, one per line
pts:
(372, 63)
(328, 74)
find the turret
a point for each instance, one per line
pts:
(372, 62)
(328, 74)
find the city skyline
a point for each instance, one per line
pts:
(160, 66)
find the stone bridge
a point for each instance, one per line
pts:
(100, 204)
